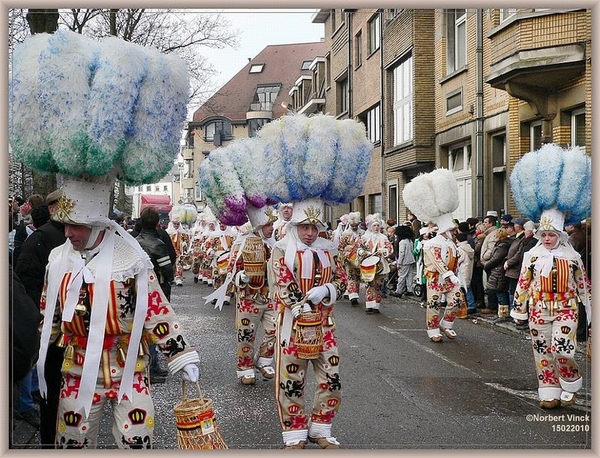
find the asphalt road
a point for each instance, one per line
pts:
(400, 390)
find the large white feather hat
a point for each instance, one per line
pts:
(433, 197)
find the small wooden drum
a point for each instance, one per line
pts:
(309, 335)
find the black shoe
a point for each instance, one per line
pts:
(375, 311)
(408, 293)
(159, 372)
(37, 397)
(31, 416)
(369, 311)
(471, 311)
(157, 379)
(395, 294)
(195, 279)
(354, 302)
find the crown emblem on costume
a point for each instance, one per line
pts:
(64, 207)
(271, 217)
(546, 223)
(312, 214)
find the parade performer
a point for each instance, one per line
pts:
(377, 248)
(248, 265)
(308, 161)
(285, 210)
(433, 197)
(207, 252)
(221, 241)
(197, 234)
(82, 109)
(339, 230)
(179, 217)
(348, 247)
(553, 185)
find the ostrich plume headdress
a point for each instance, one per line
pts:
(553, 178)
(433, 196)
(87, 109)
(293, 159)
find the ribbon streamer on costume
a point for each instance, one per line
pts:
(56, 271)
(93, 351)
(221, 292)
(139, 318)
(80, 272)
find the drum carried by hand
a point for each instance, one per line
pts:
(222, 262)
(369, 267)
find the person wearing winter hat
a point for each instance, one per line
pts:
(348, 246)
(553, 185)
(440, 253)
(377, 247)
(101, 299)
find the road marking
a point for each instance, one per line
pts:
(429, 350)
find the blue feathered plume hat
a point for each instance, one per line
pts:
(308, 161)
(93, 111)
(553, 185)
(433, 197)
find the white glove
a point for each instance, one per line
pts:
(242, 277)
(454, 279)
(190, 373)
(317, 294)
(300, 308)
(296, 310)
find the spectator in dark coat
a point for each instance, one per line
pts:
(24, 342)
(494, 268)
(580, 240)
(31, 268)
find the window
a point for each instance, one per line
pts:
(578, 127)
(373, 123)
(257, 68)
(148, 188)
(459, 162)
(391, 13)
(456, 39)
(306, 64)
(264, 97)
(189, 139)
(358, 49)
(535, 135)
(165, 188)
(454, 102)
(254, 125)
(375, 203)
(500, 183)
(374, 38)
(506, 13)
(157, 188)
(221, 127)
(342, 95)
(333, 22)
(393, 202)
(403, 108)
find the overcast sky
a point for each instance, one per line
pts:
(258, 29)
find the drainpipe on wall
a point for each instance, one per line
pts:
(384, 196)
(479, 189)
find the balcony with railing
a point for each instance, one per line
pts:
(536, 51)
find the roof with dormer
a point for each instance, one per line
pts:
(282, 66)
